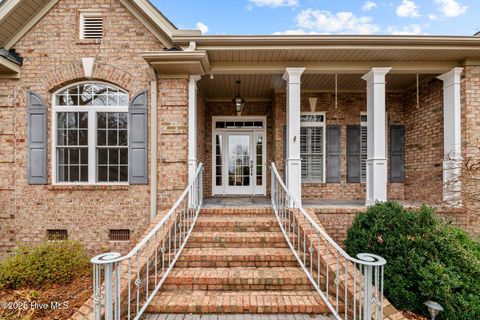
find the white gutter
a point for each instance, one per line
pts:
(153, 143)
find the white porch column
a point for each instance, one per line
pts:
(293, 166)
(192, 127)
(452, 140)
(376, 136)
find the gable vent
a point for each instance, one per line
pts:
(91, 25)
(119, 235)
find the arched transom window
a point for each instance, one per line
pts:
(90, 134)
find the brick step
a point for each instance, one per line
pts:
(236, 257)
(237, 302)
(240, 223)
(237, 278)
(237, 316)
(267, 211)
(237, 240)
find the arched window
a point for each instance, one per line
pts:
(90, 137)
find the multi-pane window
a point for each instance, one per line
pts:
(112, 146)
(91, 134)
(312, 146)
(363, 147)
(72, 146)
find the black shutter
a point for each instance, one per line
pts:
(397, 153)
(334, 153)
(37, 139)
(137, 139)
(353, 154)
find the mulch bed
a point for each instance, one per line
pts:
(413, 316)
(55, 302)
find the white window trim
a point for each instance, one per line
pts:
(92, 135)
(324, 126)
(88, 13)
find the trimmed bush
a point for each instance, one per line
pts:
(52, 262)
(427, 259)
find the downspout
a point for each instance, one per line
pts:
(154, 144)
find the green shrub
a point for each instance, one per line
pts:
(48, 263)
(427, 259)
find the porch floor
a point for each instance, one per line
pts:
(262, 202)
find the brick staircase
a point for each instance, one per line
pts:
(237, 261)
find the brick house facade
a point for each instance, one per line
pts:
(49, 56)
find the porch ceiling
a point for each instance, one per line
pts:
(262, 86)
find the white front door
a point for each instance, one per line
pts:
(239, 159)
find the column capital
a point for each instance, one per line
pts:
(292, 75)
(376, 75)
(451, 77)
(194, 78)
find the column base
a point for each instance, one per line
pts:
(452, 185)
(293, 178)
(376, 181)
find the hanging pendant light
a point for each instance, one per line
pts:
(238, 100)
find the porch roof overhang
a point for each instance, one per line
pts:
(335, 54)
(10, 64)
(171, 63)
(260, 61)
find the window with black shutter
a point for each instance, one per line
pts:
(397, 153)
(354, 154)
(334, 153)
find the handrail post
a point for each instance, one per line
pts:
(109, 291)
(367, 310)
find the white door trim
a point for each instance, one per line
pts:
(223, 190)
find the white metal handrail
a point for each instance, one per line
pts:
(350, 287)
(123, 286)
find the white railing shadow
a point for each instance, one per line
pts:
(350, 287)
(124, 286)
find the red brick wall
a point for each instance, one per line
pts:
(471, 147)
(201, 129)
(424, 143)
(347, 112)
(337, 222)
(173, 140)
(52, 58)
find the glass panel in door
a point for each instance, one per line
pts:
(239, 163)
(259, 160)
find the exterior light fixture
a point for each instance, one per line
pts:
(434, 308)
(238, 100)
